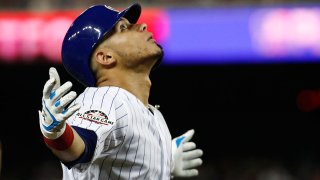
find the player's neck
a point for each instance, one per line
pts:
(137, 84)
(140, 87)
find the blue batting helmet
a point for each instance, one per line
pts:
(86, 32)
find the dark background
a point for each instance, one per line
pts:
(245, 117)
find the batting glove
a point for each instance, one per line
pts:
(54, 101)
(185, 158)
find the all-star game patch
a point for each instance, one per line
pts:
(95, 116)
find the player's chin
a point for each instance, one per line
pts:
(154, 52)
(157, 57)
(159, 47)
(158, 50)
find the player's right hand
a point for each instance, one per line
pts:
(54, 101)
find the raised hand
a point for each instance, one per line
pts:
(54, 101)
(185, 156)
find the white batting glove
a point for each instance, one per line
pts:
(54, 101)
(185, 158)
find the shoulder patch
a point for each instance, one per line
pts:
(95, 116)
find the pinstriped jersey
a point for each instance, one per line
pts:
(132, 142)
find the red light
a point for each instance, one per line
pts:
(308, 100)
(25, 36)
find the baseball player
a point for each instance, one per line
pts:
(110, 131)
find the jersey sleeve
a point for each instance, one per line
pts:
(90, 140)
(100, 110)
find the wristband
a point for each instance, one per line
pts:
(63, 142)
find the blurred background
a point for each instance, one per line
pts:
(243, 74)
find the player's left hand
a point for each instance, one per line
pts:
(185, 156)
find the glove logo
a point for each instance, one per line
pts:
(179, 140)
(95, 116)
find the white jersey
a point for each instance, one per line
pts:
(132, 143)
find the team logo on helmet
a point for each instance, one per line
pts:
(95, 116)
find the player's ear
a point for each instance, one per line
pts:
(105, 57)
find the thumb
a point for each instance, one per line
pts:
(184, 138)
(53, 73)
(188, 135)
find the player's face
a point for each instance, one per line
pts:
(134, 44)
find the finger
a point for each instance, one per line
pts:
(48, 88)
(54, 74)
(190, 173)
(192, 154)
(188, 146)
(62, 90)
(192, 163)
(40, 115)
(70, 111)
(188, 135)
(64, 101)
(42, 119)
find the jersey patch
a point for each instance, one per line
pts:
(95, 116)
